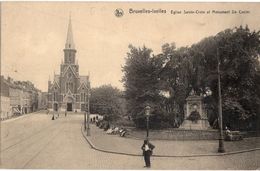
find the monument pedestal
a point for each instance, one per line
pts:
(201, 124)
(194, 104)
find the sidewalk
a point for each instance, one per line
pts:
(166, 148)
(16, 117)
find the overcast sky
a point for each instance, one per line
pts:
(34, 35)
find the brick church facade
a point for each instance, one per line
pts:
(68, 91)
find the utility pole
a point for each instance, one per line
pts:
(85, 122)
(88, 128)
(221, 148)
(147, 114)
(88, 117)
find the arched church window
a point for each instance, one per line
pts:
(67, 86)
(55, 96)
(71, 86)
(83, 97)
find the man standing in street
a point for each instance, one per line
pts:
(147, 152)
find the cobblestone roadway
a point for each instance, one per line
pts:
(37, 142)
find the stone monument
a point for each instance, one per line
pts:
(194, 105)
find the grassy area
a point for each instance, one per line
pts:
(123, 122)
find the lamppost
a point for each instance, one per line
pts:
(147, 114)
(221, 148)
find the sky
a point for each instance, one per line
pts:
(33, 34)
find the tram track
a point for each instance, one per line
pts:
(24, 145)
(26, 138)
(41, 148)
(31, 147)
(10, 129)
(27, 163)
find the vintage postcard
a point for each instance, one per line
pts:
(130, 85)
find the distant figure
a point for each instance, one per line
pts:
(65, 113)
(227, 130)
(147, 152)
(52, 117)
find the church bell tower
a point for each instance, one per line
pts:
(69, 51)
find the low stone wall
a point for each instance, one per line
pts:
(250, 134)
(201, 124)
(175, 134)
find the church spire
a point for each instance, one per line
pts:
(69, 42)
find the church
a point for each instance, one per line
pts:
(69, 91)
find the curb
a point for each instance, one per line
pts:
(194, 155)
(16, 118)
(101, 150)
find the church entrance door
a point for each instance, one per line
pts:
(69, 106)
(55, 107)
(83, 109)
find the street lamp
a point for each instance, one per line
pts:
(221, 148)
(147, 114)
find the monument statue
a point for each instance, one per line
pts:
(195, 117)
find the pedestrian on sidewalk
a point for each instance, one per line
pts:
(147, 148)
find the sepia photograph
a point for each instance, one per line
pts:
(130, 85)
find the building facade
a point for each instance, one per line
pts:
(18, 97)
(68, 91)
(42, 100)
(6, 110)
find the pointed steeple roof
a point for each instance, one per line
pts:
(69, 42)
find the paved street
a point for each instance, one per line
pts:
(37, 142)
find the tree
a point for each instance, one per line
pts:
(180, 70)
(176, 77)
(238, 51)
(141, 83)
(108, 101)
